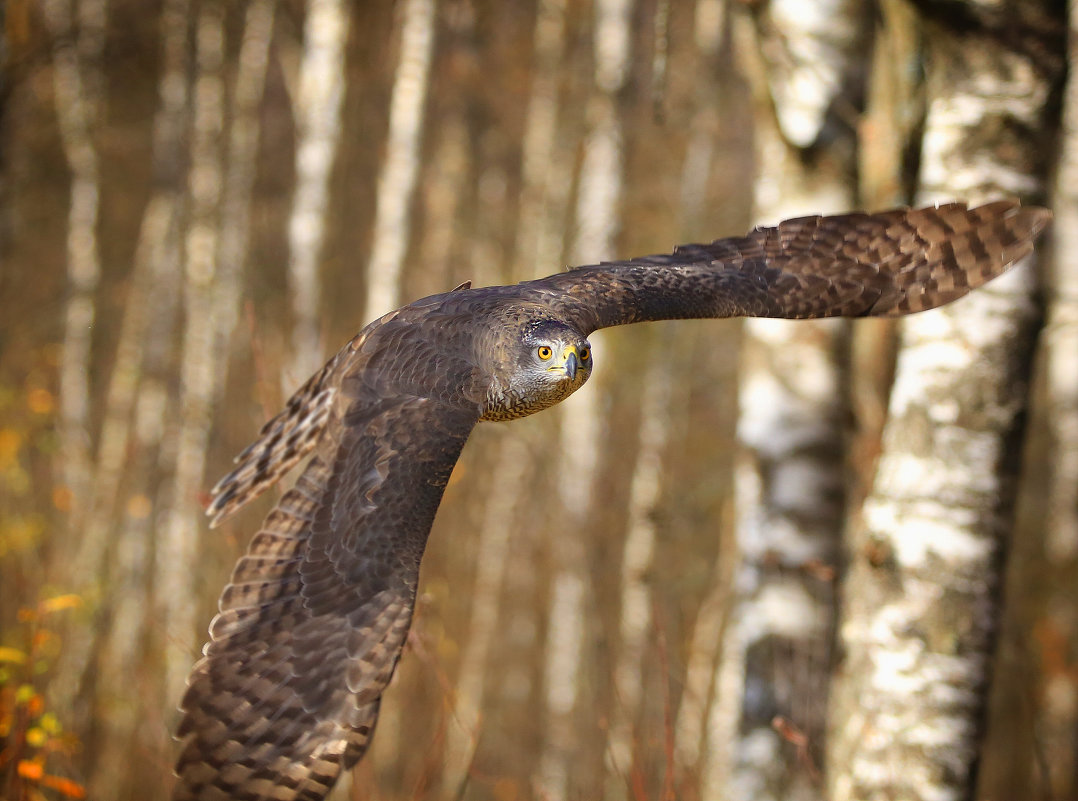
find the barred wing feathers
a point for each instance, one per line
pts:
(851, 265)
(282, 442)
(313, 622)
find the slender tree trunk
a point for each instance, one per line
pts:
(109, 527)
(177, 555)
(318, 130)
(635, 608)
(773, 679)
(121, 703)
(75, 105)
(239, 178)
(158, 219)
(923, 589)
(597, 223)
(76, 108)
(400, 165)
(500, 518)
(711, 22)
(1057, 708)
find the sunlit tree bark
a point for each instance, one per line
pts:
(923, 589)
(710, 28)
(500, 519)
(178, 548)
(597, 222)
(318, 101)
(396, 183)
(74, 108)
(239, 178)
(158, 219)
(1057, 709)
(636, 631)
(131, 560)
(790, 481)
(75, 99)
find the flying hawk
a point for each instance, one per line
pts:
(312, 624)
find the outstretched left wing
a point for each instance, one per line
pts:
(313, 622)
(850, 265)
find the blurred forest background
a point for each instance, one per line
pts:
(723, 571)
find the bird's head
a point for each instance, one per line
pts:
(545, 363)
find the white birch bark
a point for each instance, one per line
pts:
(243, 139)
(443, 190)
(76, 64)
(1058, 710)
(923, 588)
(131, 558)
(216, 245)
(400, 165)
(789, 480)
(492, 552)
(540, 191)
(178, 547)
(74, 108)
(597, 223)
(704, 643)
(318, 130)
(158, 219)
(635, 623)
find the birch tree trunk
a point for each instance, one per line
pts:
(75, 105)
(636, 601)
(318, 130)
(773, 680)
(923, 588)
(597, 223)
(499, 521)
(177, 554)
(1057, 710)
(400, 165)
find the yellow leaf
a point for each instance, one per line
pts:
(60, 602)
(36, 737)
(12, 655)
(24, 694)
(10, 441)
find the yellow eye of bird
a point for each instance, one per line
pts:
(585, 354)
(545, 353)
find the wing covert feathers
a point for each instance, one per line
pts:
(851, 265)
(313, 622)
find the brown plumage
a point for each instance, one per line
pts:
(313, 622)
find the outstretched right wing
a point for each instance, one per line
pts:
(313, 622)
(850, 265)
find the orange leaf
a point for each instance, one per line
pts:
(30, 770)
(40, 401)
(67, 787)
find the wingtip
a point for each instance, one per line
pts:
(1038, 218)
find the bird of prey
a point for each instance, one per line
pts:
(313, 621)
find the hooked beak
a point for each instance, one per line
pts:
(571, 364)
